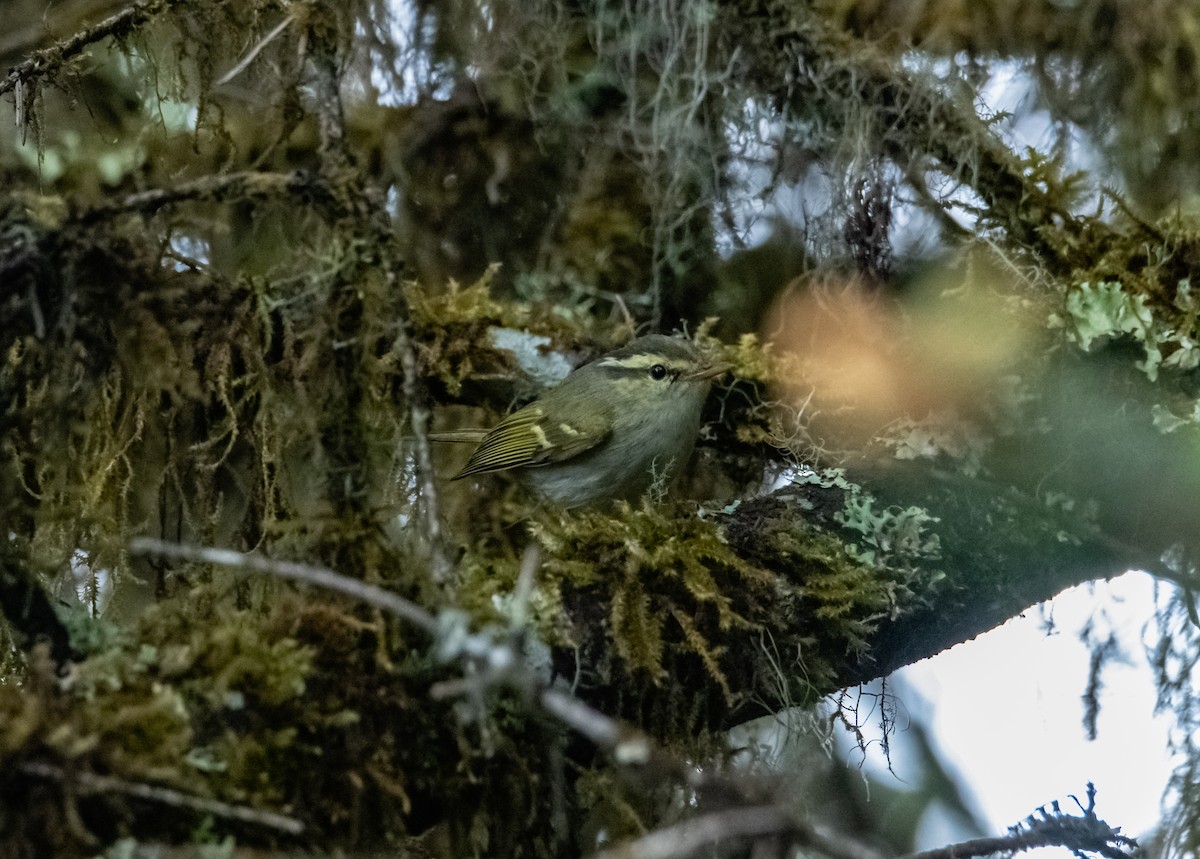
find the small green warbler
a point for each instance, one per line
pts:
(610, 430)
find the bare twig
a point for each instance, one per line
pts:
(690, 836)
(245, 61)
(530, 562)
(84, 782)
(1088, 837)
(627, 745)
(319, 576)
(49, 60)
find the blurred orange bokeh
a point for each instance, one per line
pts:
(868, 358)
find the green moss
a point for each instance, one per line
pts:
(653, 600)
(239, 704)
(673, 588)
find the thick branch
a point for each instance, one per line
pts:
(489, 662)
(1000, 553)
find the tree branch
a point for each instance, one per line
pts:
(336, 168)
(247, 185)
(87, 782)
(322, 577)
(818, 68)
(1000, 553)
(49, 60)
(1081, 834)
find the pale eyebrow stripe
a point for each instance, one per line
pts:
(641, 362)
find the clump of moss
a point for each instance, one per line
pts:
(660, 586)
(649, 600)
(260, 706)
(451, 324)
(673, 588)
(848, 564)
(454, 327)
(685, 619)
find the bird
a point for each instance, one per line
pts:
(612, 429)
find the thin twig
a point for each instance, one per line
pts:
(87, 782)
(690, 836)
(49, 60)
(1095, 840)
(256, 50)
(629, 747)
(319, 576)
(530, 562)
(1081, 834)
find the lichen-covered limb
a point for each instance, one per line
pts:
(990, 553)
(671, 618)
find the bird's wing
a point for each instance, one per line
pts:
(525, 438)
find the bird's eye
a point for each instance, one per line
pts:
(658, 371)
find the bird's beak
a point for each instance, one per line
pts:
(708, 372)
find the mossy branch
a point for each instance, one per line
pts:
(999, 553)
(231, 187)
(492, 663)
(49, 60)
(814, 67)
